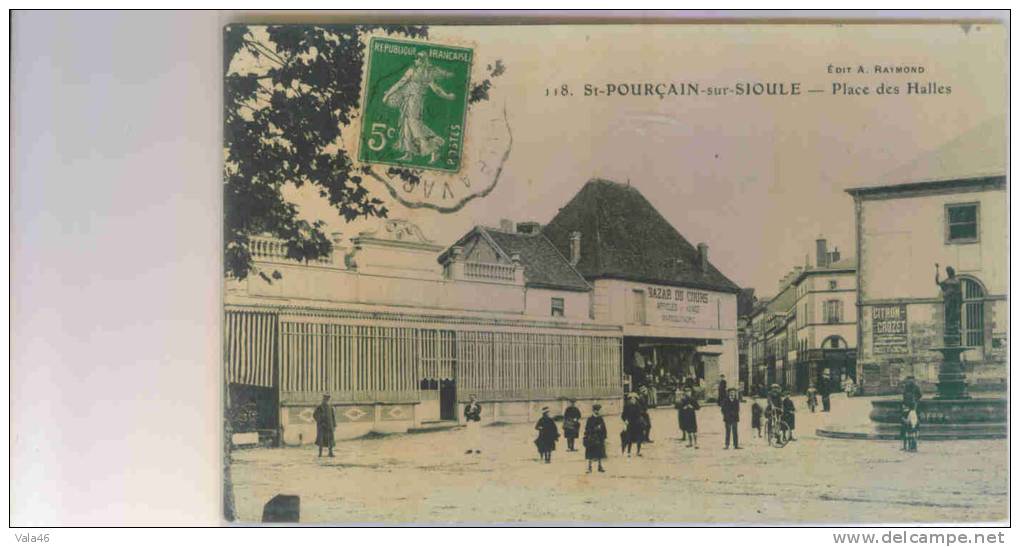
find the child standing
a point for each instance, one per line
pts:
(756, 415)
(687, 408)
(595, 438)
(571, 424)
(910, 428)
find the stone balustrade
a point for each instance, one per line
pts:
(271, 249)
(489, 271)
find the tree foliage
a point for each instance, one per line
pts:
(283, 123)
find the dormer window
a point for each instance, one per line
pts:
(557, 307)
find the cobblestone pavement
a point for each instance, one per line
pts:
(427, 478)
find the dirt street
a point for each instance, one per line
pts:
(427, 478)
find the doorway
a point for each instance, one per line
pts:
(447, 400)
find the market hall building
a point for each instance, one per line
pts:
(400, 340)
(401, 331)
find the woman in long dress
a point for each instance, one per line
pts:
(408, 96)
(595, 438)
(547, 436)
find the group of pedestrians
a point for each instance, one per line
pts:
(594, 439)
(636, 429)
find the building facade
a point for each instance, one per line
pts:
(746, 302)
(809, 329)
(400, 340)
(902, 231)
(677, 311)
(400, 331)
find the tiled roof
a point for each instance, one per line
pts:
(544, 266)
(624, 237)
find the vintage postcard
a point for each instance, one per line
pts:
(748, 274)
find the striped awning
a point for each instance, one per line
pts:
(249, 346)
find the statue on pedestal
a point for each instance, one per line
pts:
(952, 303)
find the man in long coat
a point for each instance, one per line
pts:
(646, 418)
(789, 413)
(825, 390)
(730, 407)
(325, 423)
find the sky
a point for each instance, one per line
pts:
(757, 178)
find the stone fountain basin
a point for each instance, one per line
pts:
(941, 419)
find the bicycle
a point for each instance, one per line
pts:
(776, 429)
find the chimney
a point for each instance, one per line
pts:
(575, 248)
(703, 257)
(530, 228)
(821, 253)
(506, 225)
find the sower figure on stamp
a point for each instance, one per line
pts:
(595, 438)
(325, 423)
(548, 434)
(730, 407)
(408, 96)
(473, 419)
(571, 424)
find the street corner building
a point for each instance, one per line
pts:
(807, 333)
(902, 231)
(677, 312)
(401, 331)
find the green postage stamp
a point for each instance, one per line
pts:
(414, 104)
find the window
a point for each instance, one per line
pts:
(637, 307)
(833, 284)
(962, 223)
(833, 311)
(973, 317)
(557, 307)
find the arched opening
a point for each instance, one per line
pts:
(972, 318)
(835, 342)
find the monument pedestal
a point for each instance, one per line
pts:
(952, 380)
(952, 414)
